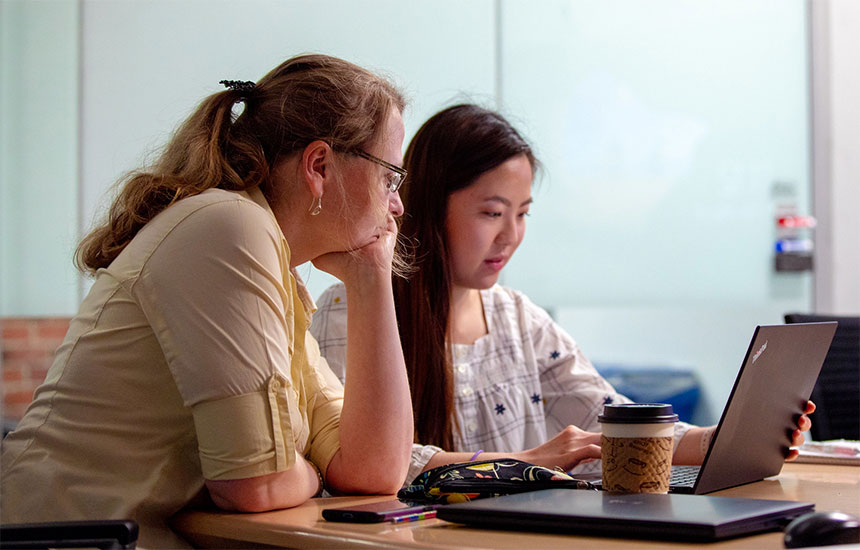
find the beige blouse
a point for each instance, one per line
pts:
(189, 360)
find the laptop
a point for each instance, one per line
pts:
(663, 516)
(771, 389)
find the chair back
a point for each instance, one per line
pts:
(107, 535)
(837, 392)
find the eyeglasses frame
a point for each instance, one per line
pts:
(396, 169)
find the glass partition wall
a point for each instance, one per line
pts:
(673, 135)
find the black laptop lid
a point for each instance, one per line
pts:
(769, 394)
(668, 516)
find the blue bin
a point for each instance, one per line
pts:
(679, 387)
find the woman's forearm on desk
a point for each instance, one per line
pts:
(693, 445)
(567, 449)
(376, 421)
(269, 492)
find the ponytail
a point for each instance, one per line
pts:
(305, 98)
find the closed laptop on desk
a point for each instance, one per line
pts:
(672, 516)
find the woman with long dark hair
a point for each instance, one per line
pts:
(189, 369)
(491, 374)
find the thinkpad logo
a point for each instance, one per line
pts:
(760, 351)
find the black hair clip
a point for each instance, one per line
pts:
(239, 85)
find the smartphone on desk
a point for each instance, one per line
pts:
(377, 512)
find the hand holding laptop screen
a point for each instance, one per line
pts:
(804, 424)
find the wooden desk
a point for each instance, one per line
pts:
(829, 487)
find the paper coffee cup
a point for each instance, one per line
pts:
(637, 442)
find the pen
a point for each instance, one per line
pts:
(415, 517)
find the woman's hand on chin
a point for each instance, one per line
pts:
(367, 262)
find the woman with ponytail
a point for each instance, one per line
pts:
(188, 372)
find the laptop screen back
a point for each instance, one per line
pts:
(770, 392)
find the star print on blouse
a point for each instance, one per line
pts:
(554, 354)
(607, 400)
(535, 398)
(500, 409)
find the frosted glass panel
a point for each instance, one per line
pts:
(671, 132)
(38, 157)
(146, 64)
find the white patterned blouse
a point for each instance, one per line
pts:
(515, 387)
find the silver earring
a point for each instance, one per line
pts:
(316, 206)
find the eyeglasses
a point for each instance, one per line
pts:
(395, 180)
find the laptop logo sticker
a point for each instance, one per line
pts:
(760, 351)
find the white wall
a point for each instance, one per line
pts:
(669, 149)
(844, 157)
(38, 157)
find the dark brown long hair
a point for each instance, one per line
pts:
(306, 98)
(449, 152)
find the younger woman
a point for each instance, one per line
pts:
(491, 374)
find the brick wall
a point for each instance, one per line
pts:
(28, 346)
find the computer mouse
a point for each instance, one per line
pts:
(822, 529)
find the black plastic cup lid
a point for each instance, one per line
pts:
(637, 413)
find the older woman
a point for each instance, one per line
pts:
(189, 366)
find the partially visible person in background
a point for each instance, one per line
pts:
(491, 374)
(189, 366)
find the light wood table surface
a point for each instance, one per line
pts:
(829, 487)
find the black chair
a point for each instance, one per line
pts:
(837, 391)
(107, 535)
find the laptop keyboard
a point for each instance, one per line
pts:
(684, 476)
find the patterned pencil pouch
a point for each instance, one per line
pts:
(466, 481)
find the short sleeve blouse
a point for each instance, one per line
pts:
(522, 382)
(189, 359)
